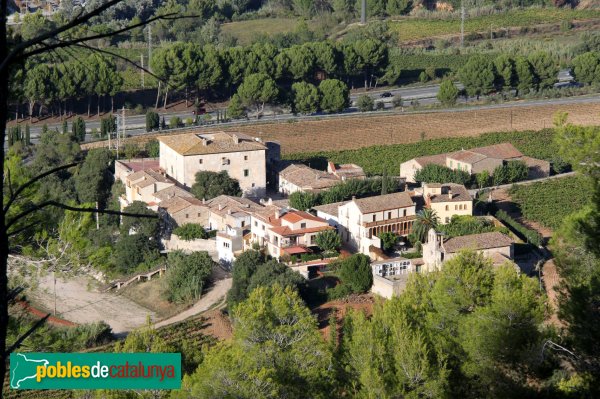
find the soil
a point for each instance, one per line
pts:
(149, 295)
(78, 302)
(335, 134)
(218, 325)
(340, 308)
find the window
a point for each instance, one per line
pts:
(455, 207)
(389, 215)
(245, 157)
(302, 225)
(243, 223)
(200, 161)
(255, 223)
(199, 214)
(187, 215)
(246, 173)
(263, 226)
(374, 217)
(225, 161)
(447, 207)
(404, 212)
(253, 185)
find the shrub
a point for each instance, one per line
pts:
(187, 275)
(174, 122)
(328, 240)
(434, 173)
(389, 240)
(531, 236)
(152, 121)
(356, 273)
(212, 184)
(365, 103)
(152, 148)
(190, 231)
(397, 101)
(448, 93)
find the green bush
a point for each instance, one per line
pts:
(356, 273)
(174, 122)
(186, 275)
(389, 240)
(365, 103)
(152, 121)
(434, 173)
(531, 236)
(190, 231)
(328, 240)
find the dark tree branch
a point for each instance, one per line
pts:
(79, 20)
(45, 204)
(23, 337)
(22, 229)
(19, 190)
(73, 42)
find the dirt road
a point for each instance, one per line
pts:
(77, 302)
(213, 297)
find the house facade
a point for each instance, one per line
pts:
(286, 232)
(391, 275)
(361, 220)
(447, 200)
(241, 156)
(437, 250)
(477, 160)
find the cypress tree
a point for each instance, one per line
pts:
(384, 182)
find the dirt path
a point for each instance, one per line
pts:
(213, 297)
(77, 302)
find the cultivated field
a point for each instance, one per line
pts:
(246, 31)
(407, 29)
(363, 131)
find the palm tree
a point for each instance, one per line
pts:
(426, 219)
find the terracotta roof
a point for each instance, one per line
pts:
(499, 151)
(210, 143)
(330, 209)
(234, 204)
(176, 204)
(171, 192)
(469, 157)
(286, 231)
(140, 165)
(459, 194)
(296, 250)
(384, 202)
(296, 216)
(438, 159)
(147, 177)
(308, 178)
(477, 242)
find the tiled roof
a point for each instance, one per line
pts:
(330, 209)
(210, 143)
(469, 157)
(171, 192)
(384, 202)
(534, 162)
(140, 165)
(438, 159)
(147, 177)
(499, 151)
(286, 231)
(296, 216)
(176, 204)
(308, 178)
(459, 194)
(234, 204)
(477, 242)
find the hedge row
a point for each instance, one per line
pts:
(531, 236)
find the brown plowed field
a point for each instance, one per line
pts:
(363, 131)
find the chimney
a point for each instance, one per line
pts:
(449, 193)
(229, 211)
(236, 139)
(277, 214)
(220, 207)
(204, 141)
(270, 201)
(203, 201)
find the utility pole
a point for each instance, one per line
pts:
(363, 12)
(123, 122)
(149, 44)
(462, 23)
(142, 69)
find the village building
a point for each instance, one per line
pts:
(142, 185)
(497, 246)
(447, 200)
(391, 275)
(241, 156)
(286, 232)
(230, 244)
(477, 160)
(177, 211)
(361, 221)
(299, 177)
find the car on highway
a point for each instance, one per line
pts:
(386, 94)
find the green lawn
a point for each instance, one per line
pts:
(245, 31)
(412, 28)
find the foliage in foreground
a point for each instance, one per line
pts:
(186, 275)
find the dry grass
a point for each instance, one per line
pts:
(149, 295)
(246, 31)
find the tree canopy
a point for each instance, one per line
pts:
(209, 185)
